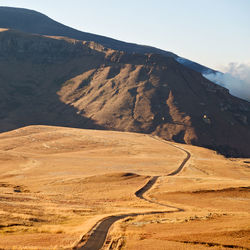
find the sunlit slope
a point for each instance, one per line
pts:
(215, 194)
(85, 152)
(66, 82)
(56, 183)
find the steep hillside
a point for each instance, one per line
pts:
(34, 22)
(73, 83)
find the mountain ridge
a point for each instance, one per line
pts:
(31, 21)
(65, 82)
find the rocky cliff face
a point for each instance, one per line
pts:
(66, 82)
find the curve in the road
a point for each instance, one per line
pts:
(188, 155)
(146, 187)
(97, 238)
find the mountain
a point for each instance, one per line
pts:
(67, 82)
(34, 22)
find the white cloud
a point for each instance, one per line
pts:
(236, 78)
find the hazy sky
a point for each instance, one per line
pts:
(211, 32)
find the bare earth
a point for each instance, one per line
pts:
(56, 183)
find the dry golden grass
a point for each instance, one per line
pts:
(215, 193)
(56, 183)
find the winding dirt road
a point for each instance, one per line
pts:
(96, 239)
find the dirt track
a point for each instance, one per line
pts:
(97, 237)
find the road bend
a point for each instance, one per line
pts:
(96, 238)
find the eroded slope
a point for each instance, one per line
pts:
(58, 81)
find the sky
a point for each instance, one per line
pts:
(214, 33)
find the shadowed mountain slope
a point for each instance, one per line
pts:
(66, 82)
(34, 22)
